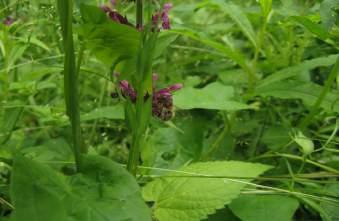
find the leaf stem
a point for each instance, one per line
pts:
(307, 120)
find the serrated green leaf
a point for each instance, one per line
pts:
(193, 198)
(264, 207)
(214, 96)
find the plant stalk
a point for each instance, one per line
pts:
(139, 13)
(71, 78)
(133, 158)
(331, 78)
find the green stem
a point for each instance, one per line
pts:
(133, 158)
(307, 120)
(290, 156)
(139, 14)
(71, 77)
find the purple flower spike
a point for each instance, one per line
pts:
(162, 100)
(175, 87)
(8, 21)
(127, 90)
(168, 7)
(164, 17)
(115, 16)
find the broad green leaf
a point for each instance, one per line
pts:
(194, 198)
(172, 148)
(51, 152)
(307, 92)
(105, 191)
(264, 207)
(330, 208)
(110, 40)
(298, 69)
(37, 192)
(163, 42)
(237, 14)
(110, 112)
(214, 96)
(92, 14)
(275, 137)
(224, 214)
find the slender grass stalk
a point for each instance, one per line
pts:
(65, 8)
(294, 157)
(308, 119)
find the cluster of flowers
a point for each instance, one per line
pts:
(162, 100)
(159, 16)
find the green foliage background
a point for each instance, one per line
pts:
(255, 132)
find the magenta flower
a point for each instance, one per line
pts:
(114, 15)
(128, 91)
(163, 16)
(8, 21)
(162, 100)
(160, 16)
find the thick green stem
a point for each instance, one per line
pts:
(307, 120)
(133, 159)
(71, 77)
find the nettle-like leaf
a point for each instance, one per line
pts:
(193, 198)
(215, 96)
(264, 207)
(104, 192)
